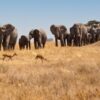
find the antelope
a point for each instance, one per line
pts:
(38, 56)
(8, 56)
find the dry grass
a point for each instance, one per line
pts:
(71, 73)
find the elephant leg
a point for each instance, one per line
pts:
(26, 46)
(13, 47)
(62, 42)
(3, 48)
(35, 44)
(29, 44)
(9, 47)
(93, 39)
(86, 41)
(4, 45)
(75, 41)
(20, 47)
(83, 42)
(80, 42)
(7, 42)
(43, 45)
(56, 42)
(69, 41)
(1, 38)
(39, 44)
(98, 37)
(72, 42)
(0, 46)
(89, 40)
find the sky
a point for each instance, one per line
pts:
(26, 15)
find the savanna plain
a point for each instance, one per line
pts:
(70, 73)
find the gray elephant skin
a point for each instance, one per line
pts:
(59, 32)
(24, 42)
(39, 36)
(79, 34)
(95, 33)
(9, 37)
(1, 36)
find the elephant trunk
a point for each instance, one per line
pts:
(56, 41)
(62, 39)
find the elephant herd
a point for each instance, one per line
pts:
(79, 35)
(83, 34)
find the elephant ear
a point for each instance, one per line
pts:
(0, 30)
(71, 30)
(53, 29)
(63, 29)
(31, 34)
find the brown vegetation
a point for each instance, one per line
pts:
(72, 73)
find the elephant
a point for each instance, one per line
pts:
(59, 32)
(98, 34)
(78, 34)
(89, 38)
(39, 36)
(93, 32)
(9, 37)
(1, 36)
(69, 39)
(24, 42)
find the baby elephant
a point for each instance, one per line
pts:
(39, 36)
(24, 42)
